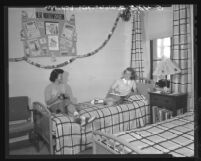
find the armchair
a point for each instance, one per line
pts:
(21, 126)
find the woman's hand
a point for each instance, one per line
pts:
(61, 96)
(130, 94)
(115, 91)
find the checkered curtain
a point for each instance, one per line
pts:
(181, 52)
(136, 48)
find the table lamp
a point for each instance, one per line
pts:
(166, 67)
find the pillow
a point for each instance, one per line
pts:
(136, 97)
(144, 88)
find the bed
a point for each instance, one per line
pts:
(63, 136)
(174, 136)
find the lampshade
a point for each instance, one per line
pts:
(166, 67)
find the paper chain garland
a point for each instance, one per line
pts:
(25, 58)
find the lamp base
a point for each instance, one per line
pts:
(165, 90)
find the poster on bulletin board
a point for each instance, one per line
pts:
(48, 33)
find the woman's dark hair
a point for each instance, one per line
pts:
(54, 74)
(133, 73)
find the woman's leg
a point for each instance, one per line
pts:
(71, 110)
(112, 99)
(57, 108)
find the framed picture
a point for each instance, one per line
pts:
(53, 42)
(51, 28)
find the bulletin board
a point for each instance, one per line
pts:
(49, 33)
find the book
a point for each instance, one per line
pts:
(154, 113)
(161, 114)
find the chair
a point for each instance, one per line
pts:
(21, 127)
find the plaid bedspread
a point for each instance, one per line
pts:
(71, 138)
(174, 136)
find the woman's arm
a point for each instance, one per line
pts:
(114, 87)
(53, 100)
(50, 100)
(133, 90)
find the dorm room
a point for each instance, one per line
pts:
(93, 46)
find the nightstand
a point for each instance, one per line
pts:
(171, 102)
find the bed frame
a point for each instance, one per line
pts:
(43, 125)
(102, 144)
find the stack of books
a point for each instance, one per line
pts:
(161, 114)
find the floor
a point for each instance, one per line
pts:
(30, 150)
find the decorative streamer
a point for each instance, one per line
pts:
(124, 15)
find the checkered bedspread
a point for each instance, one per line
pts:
(174, 136)
(71, 138)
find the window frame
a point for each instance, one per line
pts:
(152, 60)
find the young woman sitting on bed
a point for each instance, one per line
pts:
(58, 100)
(122, 88)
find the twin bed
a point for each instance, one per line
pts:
(173, 136)
(63, 136)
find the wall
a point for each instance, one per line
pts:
(88, 77)
(157, 24)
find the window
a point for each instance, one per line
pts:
(159, 48)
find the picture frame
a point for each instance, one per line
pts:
(51, 28)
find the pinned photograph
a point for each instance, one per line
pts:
(40, 24)
(51, 28)
(53, 42)
(68, 31)
(34, 45)
(43, 41)
(32, 30)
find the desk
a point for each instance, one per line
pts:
(171, 102)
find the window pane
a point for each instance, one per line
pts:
(167, 52)
(166, 41)
(158, 52)
(159, 42)
(160, 48)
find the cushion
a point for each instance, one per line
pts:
(19, 108)
(145, 88)
(16, 129)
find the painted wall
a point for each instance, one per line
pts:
(88, 77)
(156, 24)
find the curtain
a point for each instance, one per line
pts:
(181, 52)
(136, 48)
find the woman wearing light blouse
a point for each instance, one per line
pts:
(122, 88)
